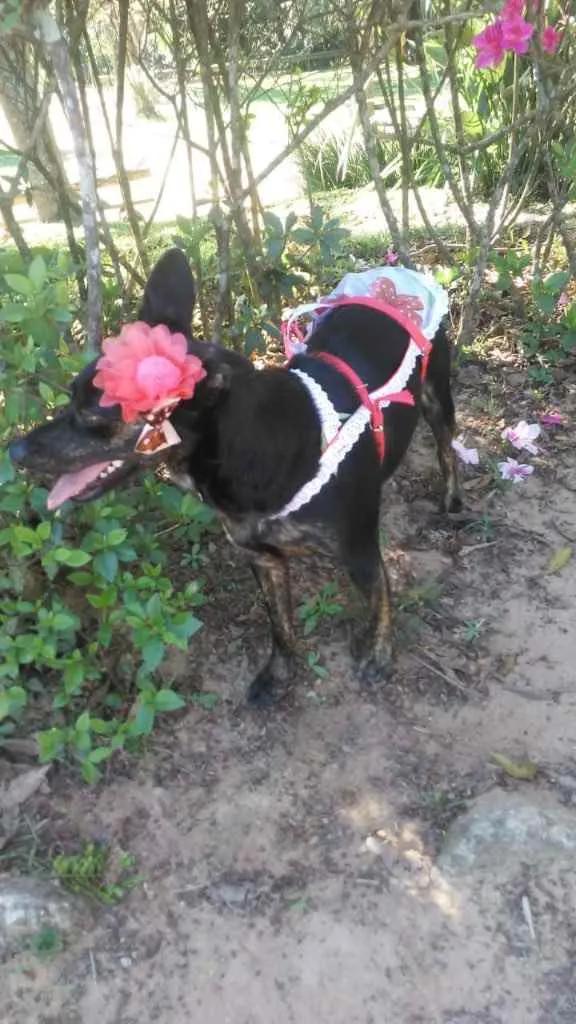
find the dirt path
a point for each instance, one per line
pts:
(293, 862)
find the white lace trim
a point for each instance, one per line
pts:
(350, 431)
(329, 418)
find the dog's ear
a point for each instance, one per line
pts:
(170, 293)
(222, 365)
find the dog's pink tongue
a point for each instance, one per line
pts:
(71, 484)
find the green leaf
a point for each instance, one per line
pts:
(13, 314)
(143, 719)
(152, 654)
(7, 471)
(64, 621)
(81, 579)
(304, 236)
(46, 392)
(154, 606)
(62, 316)
(83, 722)
(74, 676)
(106, 563)
(116, 537)
(90, 771)
(44, 530)
(207, 701)
(50, 744)
(526, 770)
(20, 284)
(168, 700)
(559, 560)
(273, 223)
(99, 755)
(37, 273)
(557, 281)
(71, 556)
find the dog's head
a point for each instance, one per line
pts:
(89, 447)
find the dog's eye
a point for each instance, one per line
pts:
(93, 422)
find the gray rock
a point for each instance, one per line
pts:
(29, 904)
(503, 827)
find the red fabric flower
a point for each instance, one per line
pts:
(145, 368)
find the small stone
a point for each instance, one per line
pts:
(30, 904)
(235, 896)
(504, 827)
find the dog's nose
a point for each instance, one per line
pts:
(17, 450)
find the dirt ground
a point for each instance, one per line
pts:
(292, 860)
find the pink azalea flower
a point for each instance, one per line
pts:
(514, 471)
(523, 436)
(490, 46)
(512, 9)
(549, 39)
(552, 419)
(145, 368)
(516, 34)
(391, 257)
(468, 455)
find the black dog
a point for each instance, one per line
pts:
(250, 439)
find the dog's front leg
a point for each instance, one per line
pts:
(271, 572)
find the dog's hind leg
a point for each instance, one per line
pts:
(363, 559)
(438, 410)
(271, 572)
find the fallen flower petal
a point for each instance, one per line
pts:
(522, 436)
(514, 471)
(468, 455)
(552, 419)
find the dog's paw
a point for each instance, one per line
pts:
(454, 505)
(374, 667)
(451, 505)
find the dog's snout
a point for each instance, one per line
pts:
(18, 451)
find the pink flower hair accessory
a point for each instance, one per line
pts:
(146, 369)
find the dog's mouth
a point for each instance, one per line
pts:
(85, 484)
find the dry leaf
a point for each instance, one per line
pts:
(515, 769)
(18, 749)
(22, 788)
(559, 559)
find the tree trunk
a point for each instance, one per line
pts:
(48, 32)
(21, 99)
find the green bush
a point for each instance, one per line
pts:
(87, 602)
